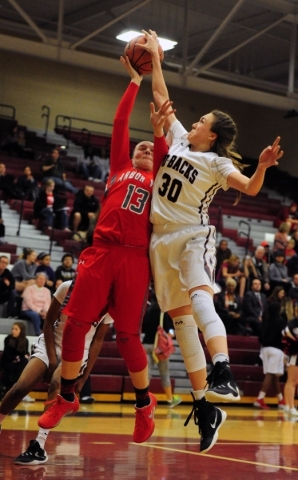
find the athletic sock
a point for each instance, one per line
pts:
(220, 357)
(199, 394)
(68, 389)
(261, 395)
(42, 437)
(280, 397)
(142, 397)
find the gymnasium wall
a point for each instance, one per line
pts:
(29, 83)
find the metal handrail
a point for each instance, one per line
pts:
(47, 116)
(245, 234)
(11, 107)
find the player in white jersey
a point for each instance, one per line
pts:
(182, 250)
(45, 365)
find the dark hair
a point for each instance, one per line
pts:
(224, 145)
(20, 342)
(274, 295)
(67, 255)
(27, 252)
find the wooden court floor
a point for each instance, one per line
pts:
(96, 443)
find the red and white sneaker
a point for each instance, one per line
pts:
(281, 404)
(144, 425)
(53, 416)
(259, 403)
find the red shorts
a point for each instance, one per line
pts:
(114, 279)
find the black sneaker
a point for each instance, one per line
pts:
(222, 386)
(209, 419)
(34, 455)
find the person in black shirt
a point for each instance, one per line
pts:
(65, 271)
(53, 168)
(7, 287)
(85, 208)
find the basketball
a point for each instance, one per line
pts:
(139, 58)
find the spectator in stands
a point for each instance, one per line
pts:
(288, 215)
(281, 237)
(222, 253)
(14, 357)
(149, 327)
(23, 150)
(104, 163)
(26, 186)
(272, 355)
(289, 251)
(49, 207)
(44, 266)
(65, 271)
(290, 337)
(278, 271)
(295, 237)
(293, 292)
(6, 182)
(260, 269)
(231, 269)
(85, 208)
(24, 269)
(268, 255)
(228, 307)
(88, 165)
(36, 302)
(254, 306)
(7, 287)
(9, 139)
(52, 168)
(286, 305)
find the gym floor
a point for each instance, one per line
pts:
(96, 443)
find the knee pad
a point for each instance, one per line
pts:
(73, 340)
(190, 346)
(132, 351)
(205, 315)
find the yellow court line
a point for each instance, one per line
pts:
(218, 457)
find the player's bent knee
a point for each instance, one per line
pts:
(205, 315)
(73, 340)
(190, 346)
(132, 351)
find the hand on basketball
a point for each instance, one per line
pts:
(271, 154)
(159, 117)
(152, 44)
(132, 72)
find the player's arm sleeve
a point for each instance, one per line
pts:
(176, 133)
(120, 155)
(221, 167)
(160, 151)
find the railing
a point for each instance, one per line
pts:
(245, 234)
(9, 107)
(46, 113)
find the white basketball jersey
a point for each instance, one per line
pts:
(187, 182)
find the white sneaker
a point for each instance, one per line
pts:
(28, 399)
(293, 412)
(90, 178)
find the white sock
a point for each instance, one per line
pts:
(280, 397)
(2, 418)
(199, 394)
(42, 437)
(220, 357)
(261, 395)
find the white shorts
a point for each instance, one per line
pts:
(39, 351)
(273, 360)
(182, 258)
(292, 360)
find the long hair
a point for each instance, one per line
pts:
(224, 145)
(21, 341)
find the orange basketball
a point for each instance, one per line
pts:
(139, 58)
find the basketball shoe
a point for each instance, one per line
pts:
(259, 403)
(59, 408)
(221, 384)
(144, 425)
(34, 455)
(209, 420)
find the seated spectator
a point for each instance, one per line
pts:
(36, 302)
(44, 260)
(228, 307)
(268, 255)
(289, 251)
(26, 186)
(278, 271)
(7, 287)
(85, 208)
(222, 253)
(88, 165)
(286, 305)
(9, 139)
(272, 355)
(24, 269)
(65, 271)
(23, 151)
(231, 269)
(289, 215)
(104, 163)
(281, 237)
(49, 207)
(14, 357)
(254, 306)
(52, 168)
(293, 293)
(260, 269)
(6, 182)
(295, 238)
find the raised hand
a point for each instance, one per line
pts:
(134, 75)
(271, 154)
(159, 117)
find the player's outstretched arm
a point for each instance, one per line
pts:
(51, 317)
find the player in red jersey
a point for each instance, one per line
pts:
(114, 273)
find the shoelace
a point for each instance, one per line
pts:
(193, 411)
